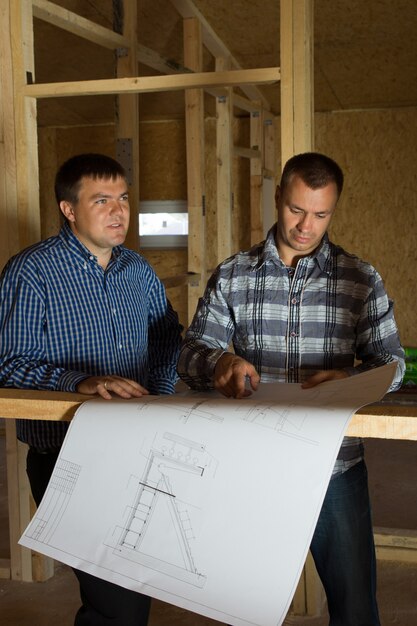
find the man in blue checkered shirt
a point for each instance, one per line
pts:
(298, 308)
(80, 312)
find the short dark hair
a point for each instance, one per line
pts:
(90, 165)
(315, 170)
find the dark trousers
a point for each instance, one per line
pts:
(103, 603)
(344, 553)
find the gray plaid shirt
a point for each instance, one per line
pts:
(330, 312)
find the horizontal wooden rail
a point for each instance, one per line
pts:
(383, 421)
(150, 84)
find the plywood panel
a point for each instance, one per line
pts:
(162, 160)
(168, 263)
(376, 218)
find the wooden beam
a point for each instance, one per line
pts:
(190, 278)
(31, 404)
(77, 25)
(194, 131)
(256, 178)
(9, 233)
(297, 98)
(224, 163)
(148, 84)
(26, 140)
(127, 120)
(215, 45)
(382, 421)
(393, 544)
(246, 105)
(247, 153)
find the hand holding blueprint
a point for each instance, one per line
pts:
(201, 501)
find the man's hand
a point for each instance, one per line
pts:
(102, 385)
(230, 376)
(322, 376)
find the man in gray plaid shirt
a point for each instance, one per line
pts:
(297, 308)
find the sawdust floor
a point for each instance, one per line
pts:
(392, 469)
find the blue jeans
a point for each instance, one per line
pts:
(344, 553)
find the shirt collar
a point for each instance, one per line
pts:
(269, 252)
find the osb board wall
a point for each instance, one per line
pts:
(376, 216)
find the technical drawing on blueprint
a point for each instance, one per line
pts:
(156, 503)
(201, 501)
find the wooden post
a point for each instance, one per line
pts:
(9, 234)
(26, 142)
(256, 177)
(21, 214)
(297, 98)
(127, 127)
(194, 128)
(224, 155)
(297, 135)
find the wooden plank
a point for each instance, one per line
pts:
(256, 178)
(215, 45)
(127, 125)
(148, 84)
(21, 27)
(247, 153)
(246, 105)
(303, 78)
(190, 278)
(297, 101)
(31, 404)
(224, 154)
(9, 241)
(393, 421)
(382, 421)
(77, 25)
(393, 544)
(194, 132)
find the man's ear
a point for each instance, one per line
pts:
(67, 210)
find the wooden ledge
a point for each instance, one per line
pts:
(385, 421)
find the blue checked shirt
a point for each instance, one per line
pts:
(328, 312)
(63, 319)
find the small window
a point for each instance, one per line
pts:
(163, 224)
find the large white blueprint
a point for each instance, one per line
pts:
(198, 500)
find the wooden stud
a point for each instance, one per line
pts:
(194, 131)
(77, 25)
(9, 234)
(256, 178)
(224, 152)
(127, 119)
(297, 105)
(21, 27)
(215, 45)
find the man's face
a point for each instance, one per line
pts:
(304, 215)
(100, 218)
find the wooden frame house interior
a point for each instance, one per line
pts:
(203, 101)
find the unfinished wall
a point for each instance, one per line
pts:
(376, 217)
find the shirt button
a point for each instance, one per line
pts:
(120, 346)
(294, 301)
(293, 334)
(91, 258)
